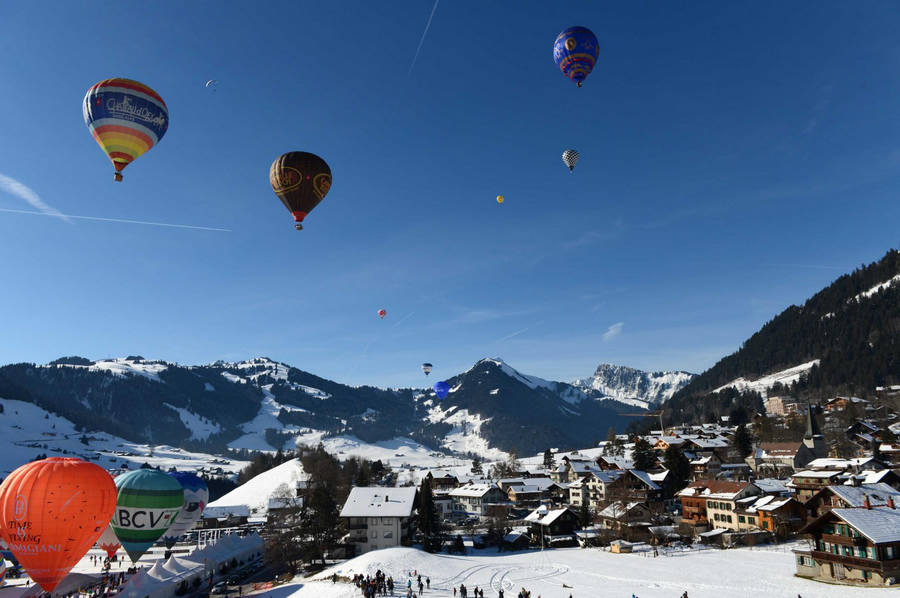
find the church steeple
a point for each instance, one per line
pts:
(813, 438)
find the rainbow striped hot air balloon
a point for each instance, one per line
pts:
(126, 118)
(147, 504)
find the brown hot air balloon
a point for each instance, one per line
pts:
(52, 511)
(300, 180)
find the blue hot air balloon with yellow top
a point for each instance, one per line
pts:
(575, 52)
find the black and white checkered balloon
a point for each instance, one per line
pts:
(570, 157)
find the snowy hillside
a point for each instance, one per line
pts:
(255, 493)
(761, 385)
(27, 431)
(633, 387)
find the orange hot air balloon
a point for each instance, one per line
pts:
(51, 512)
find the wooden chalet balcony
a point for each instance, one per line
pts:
(844, 540)
(853, 561)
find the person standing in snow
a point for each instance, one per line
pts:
(428, 582)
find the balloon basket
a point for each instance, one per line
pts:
(298, 226)
(118, 177)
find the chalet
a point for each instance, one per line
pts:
(782, 516)
(705, 467)
(473, 499)
(664, 442)
(607, 462)
(841, 403)
(806, 483)
(533, 491)
(887, 476)
(551, 524)
(781, 406)
(840, 496)
(721, 505)
(630, 521)
(710, 502)
(858, 546)
(378, 517)
(634, 485)
(442, 480)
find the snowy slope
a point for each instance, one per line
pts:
(27, 430)
(569, 394)
(122, 366)
(877, 288)
(710, 573)
(761, 385)
(255, 493)
(633, 387)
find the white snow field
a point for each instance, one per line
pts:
(256, 492)
(594, 573)
(762, 385)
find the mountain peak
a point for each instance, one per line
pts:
(632, 386)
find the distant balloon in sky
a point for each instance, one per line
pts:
(212, 83)
(148, 503)
(382, 313)
(570, 158)
(441, 389)
(426, 367)
(300, 180)
(500, 199)
(575, 52)
(51, 512)
(126, 118)
(196, 496)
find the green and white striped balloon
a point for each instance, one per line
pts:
(148, 502)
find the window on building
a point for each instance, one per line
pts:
(388, 534)
(742, 519)
(862, 552)
(729, 519)
(765, 524)
(386, 520)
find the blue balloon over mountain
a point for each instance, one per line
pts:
(575, 52)
(441, 389)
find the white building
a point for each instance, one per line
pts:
(378, 517)
(472, 498)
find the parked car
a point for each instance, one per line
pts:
(220, 588)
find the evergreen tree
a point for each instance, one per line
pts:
(549, 460)
(613, 446)
(643, 455)
(742, 441)
(476, 467)
(584, 515)
(429, 521)
(678, 465)
(512, 461)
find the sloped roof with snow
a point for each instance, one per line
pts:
(472, 490)
(772, 485)
(543, 517)
(378, 501)
(855, 496)
(644, 477)
(880, 525)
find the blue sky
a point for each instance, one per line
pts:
(734, 159)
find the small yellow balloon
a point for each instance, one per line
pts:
(499, 199)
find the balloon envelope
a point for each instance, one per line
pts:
(196, 495)
(126, 118)
(300, 180)
(109, 542)
(500, 199)
(382, 313)
(148, 503)
(426, 367)
(575, 52)
(570, 158)
(2, 571)
(441, 389)
(52, 511)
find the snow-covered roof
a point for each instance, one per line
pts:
(774, 504)
(880, 524)
(378, 501)
(816, 474)
(855, 496)
(645, 478)
(617, 509)
(223, 511)
(772, 485)
(542, 516)
(721, 489)
(871, 477)
(537, 485)
(472, 490)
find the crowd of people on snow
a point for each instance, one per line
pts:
(379, 585)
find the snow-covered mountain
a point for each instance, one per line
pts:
(632, 387)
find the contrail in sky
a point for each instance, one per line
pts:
(14, 187)
(424, 33)
(403, 319)
(509, 336)
(122, 220)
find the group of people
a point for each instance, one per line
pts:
(380, 585)
(476, 593)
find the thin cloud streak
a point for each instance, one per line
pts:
(403, 319)
(424, 33)
(613, 331)
(509, 336)
(14, 187)
(121, 220)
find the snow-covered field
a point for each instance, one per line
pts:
(761, 385)
(738, 573)
(26, 430)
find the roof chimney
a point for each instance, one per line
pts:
(866, 502)
(890, 502)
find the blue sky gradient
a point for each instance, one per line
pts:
(734, 159)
